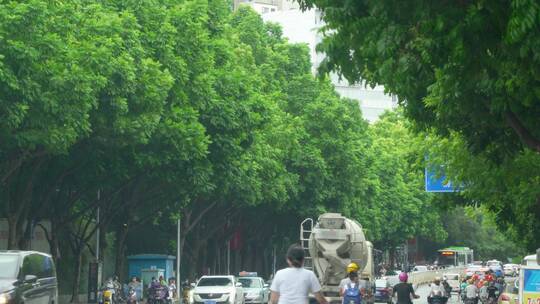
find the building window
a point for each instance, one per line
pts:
(273, 10)
(265, 10)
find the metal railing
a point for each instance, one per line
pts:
(424, 277)
(306, 227)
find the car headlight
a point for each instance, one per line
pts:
(5, 297)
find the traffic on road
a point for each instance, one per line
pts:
(333, 264)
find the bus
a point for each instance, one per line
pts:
(455, 256)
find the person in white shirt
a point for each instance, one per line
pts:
(292, 285)
(471, 292)
(436, 290)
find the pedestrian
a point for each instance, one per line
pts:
(292, 285)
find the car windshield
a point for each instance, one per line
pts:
(250, 282)
(9, 266)
(215, 282)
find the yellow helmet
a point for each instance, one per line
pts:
(352, 267)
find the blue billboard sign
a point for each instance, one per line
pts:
(435, 182)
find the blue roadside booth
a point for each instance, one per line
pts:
(162, 263)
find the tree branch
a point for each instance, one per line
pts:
(200, 216)
(525, 135)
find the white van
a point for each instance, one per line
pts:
(530, 260)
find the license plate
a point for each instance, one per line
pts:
(210, 302)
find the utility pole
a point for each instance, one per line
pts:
(98, 225)
(274, 260)
(178, 260)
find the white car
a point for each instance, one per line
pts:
(217, 290)
(420, 268)
(473, 269)
(255, 290)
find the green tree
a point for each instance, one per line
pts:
(464, 68)
(398, 208)
(510, 190)
(476, 228)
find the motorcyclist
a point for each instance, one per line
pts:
(482, 292)
(172, 289)
(471, 293)
(447, 287)
(162, 281)
(493, 292)
(437, 291)
(362, 284)
(108, 285)
(134, 283)
(462, 287)
(352, 268)
(500, 284)
(352, 292)
(404, 290)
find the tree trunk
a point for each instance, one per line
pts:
(55, 245)
(392, 257)
(196, 253)
(121, 236)
(12, 232)
(204, 260)
(27, 233)
(77, 276)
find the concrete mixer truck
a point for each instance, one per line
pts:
(331, 244)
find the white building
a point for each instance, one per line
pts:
(302, 27)
(267, 6)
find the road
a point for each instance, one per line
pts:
(423, 292)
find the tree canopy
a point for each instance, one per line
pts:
(151, 111)
(468, 67)
(466, 73)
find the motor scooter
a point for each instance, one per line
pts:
(437, 300)
(158, 295)
(106, 294)
(131, 296)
